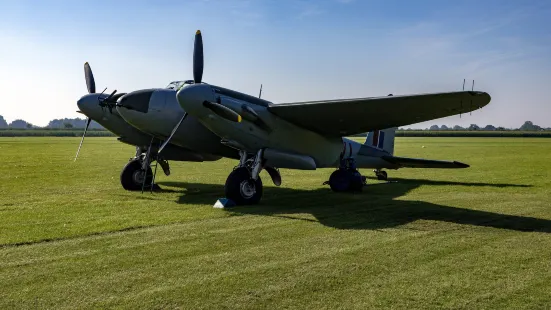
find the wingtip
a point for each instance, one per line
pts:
(480, 93)
(489, 97)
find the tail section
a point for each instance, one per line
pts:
(382, 139)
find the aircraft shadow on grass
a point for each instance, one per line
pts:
(374, 208)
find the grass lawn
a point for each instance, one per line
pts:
(71, 237)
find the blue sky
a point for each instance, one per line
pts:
(300, 50)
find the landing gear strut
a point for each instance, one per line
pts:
(244, 185)
(347, 178)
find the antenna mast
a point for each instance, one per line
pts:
(260, 93)
(461, 109)
(472, 89)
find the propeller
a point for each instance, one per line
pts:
(89, 76)
(218, 108)
(223, 111)
(91, 85)
(198, 59)
(198, 62)
(111, 101)
(172, 134)
(116, 97)
(84, 134)
(111, 95)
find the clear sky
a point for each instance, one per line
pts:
(299, 49)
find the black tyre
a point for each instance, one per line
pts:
(242, 189)
(339, 181)
(132, 176)
(382, 176)
(357, 181)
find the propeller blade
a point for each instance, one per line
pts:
(222, 111)
(198, 58)
(84, 134)
(89, 76)
(110, 96)
(106, 102)
(111, 101)
(172, 133)
(116, 97)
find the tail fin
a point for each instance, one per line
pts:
(382, 139)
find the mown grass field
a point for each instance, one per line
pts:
(71, 237)
(77, 132)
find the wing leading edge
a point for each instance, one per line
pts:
(354, 116)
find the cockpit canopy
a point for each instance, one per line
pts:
(178, 84)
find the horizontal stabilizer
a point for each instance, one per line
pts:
(404, 162)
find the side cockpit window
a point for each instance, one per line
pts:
(178, 84)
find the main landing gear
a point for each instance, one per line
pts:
(244, 185)
(137, 174)
(133, 176)
(347, 178)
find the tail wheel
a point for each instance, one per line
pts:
(132, 176)
(339, 181)
(381, 175)
(242, 189)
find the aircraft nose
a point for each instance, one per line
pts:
(89, 105)
(137, 100)
(191, 98)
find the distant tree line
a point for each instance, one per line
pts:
(64, 123)
(74, 127)
(527, 126)
(74, 123)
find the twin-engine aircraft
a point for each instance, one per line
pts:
(197, 121)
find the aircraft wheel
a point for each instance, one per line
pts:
(339, 181)
(382, 176)
(132, 176)
(242, 189)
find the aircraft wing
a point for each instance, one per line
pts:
(354, 116)
(404, 162)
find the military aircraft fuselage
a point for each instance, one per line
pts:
(275, 134)
(112, 121)
(156, 112)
